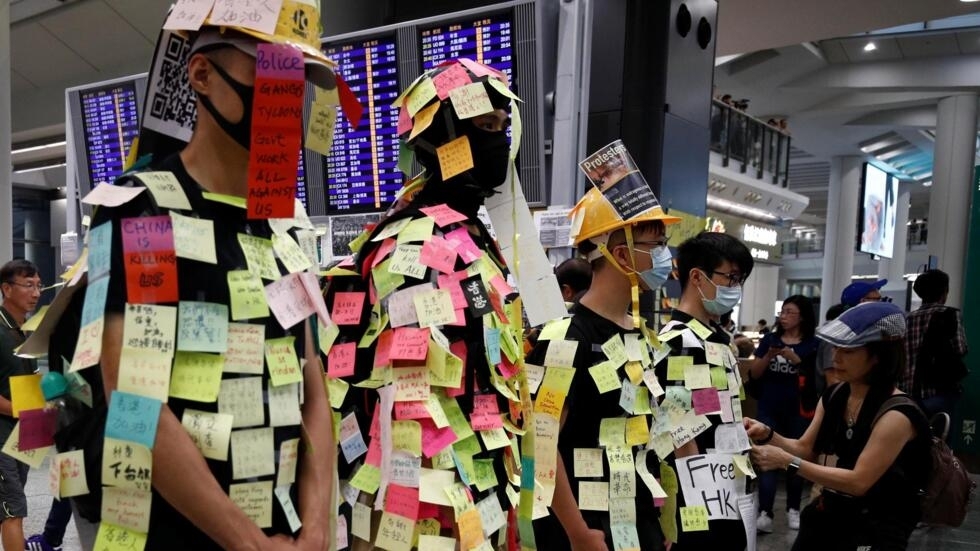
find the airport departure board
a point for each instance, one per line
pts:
(487, 39)
(110, 120)
(362, 168)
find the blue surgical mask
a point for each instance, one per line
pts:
(726, 298)
(660, 269)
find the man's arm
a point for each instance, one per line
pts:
(180, 473)
(317, 456)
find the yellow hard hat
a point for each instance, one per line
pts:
(595, 216)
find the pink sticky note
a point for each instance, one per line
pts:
(450, 282)
(373, 456)
(428, 510)
(439, 255)
(461, 240)
(289, 300)
(382, 252)
(382, 351)
(402, 501)
(411, 410)
(705, 400)
(375, 430)
(452, 77)
(37, 427)
(443, 215)
(404, 120)
(340, 361)
(279, 61)
(507, 369)
(482, 70)
(501, 286)
(486, 413)
(434, 439)
(312, 285)
(410, 343)
(347, 308)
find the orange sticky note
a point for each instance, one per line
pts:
(424, 119)
(150, 259)
(25, 393)
(455, 157)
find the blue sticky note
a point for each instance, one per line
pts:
(527, 473)
(95, 296)
(133, 417)
(492, 338)
(99, 250)
(202, 327)
(680, 395)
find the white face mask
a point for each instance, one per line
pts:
(726, 298)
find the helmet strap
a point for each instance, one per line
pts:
(630, 275)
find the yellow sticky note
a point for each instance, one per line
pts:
(455, 157)
(280, 355)
(718, 378)
(743, 467)
(385, 281)
(697, 376)
(561, 353)
(260, 256)
(145, 372)
(72, 481)
(337, 390)
(116, 538)
(165, 189)
(246, 343)
(231, 200)
(252, 453)
(255, 500)
(395, 533)
(612, 431)
(247, 295)
(434, 407)
(367, 479)
(470, 527)
(419, 229)
(405, 261)
(694, 518)
(434, 308)
(35, 320)
(196, 376)
(323, 117)
(494, 439)
(588, 463)
(470, 101)
(126, 464)
(25, 393)
(424, 119)
(605, 377)
(407, 436)
(457, 420)
(194, 238)
(615, 350)
(715, 353)
(209, 431)
(642, 404)
(34, 458)
(593, 496)
(676, 365)
(421, 94)
(555, 329)
(699, 329)
(242, 399)
(436, 542)
(637, 432)
(411, 384)
(634, 370)
(288, 457)
(126, 507)
(327, 334)
(149, 326)
(289, 251)
(358, 242)
(361, 521)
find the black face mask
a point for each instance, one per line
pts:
(491, 152)
(240, 131)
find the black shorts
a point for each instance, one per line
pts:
(13, 478)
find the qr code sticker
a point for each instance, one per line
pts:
(172, 103)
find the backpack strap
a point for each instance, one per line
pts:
(893, 402)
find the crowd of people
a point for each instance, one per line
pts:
(395, 404)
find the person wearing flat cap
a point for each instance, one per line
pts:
(862, 291)
(875, 438)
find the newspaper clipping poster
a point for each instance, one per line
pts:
(612, 170)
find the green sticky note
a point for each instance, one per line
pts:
(327, 335)
(694, 518)
(226, 199)
(289, 251)
(377, 324)
(718, 378)
(259, 256)
(612, 432)
(419, 229)
(386, 282)
(668, 511)
(555, 329)
(202, 326)
(247, 296)
(280, 356)
(484, 476)
(196, 376)
(359, 241)
(675, 367)
(405, 158)
(699, 329)
(467, 446)
(615, 350)
(367, 479)
(457, 420)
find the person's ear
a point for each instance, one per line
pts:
(621, 253)
(694, 276)
(199, 73)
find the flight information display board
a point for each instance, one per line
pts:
(301, 181)
(487, 39)
(110, 121)
(362, 168)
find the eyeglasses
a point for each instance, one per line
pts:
(39, 287)
(657, 243)
(735, 279)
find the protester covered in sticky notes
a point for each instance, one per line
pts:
(201, 300)
(595, 402)
(428, 335)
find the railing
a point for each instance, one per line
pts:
(749, 142)
(917, 234)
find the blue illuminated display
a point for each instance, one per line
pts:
(111, 122)
(488, 40)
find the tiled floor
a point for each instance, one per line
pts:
(964, 538)
(38, 504)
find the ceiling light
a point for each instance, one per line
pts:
(928, 183)
(968, 1)
(38, 147)
(870, 46)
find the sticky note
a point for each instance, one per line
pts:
(133, 417)
(116, 538)
(252, 453)
(555, 330)
(25, 393)
(615, 351)
(149, 259)
(340, 360)
(196, 376)
(347, 308)
(126, 464)
(402, 501)
(151, 327)
(434, 308)
(33, 457)
(323, 118)
(99, 250)
(593, 496)
(244, 351)
(259, 256)
(423, 92)
(280, 356)
(419, 229)
(676, 365)
(292, 517)
(697, 376)
(38, 427)
(443, 214)
(209, 431)
(247, 295)
(410, 343)
(470, 525)
(290, 253)
(561, 353)
(455, 157)
(612, 431)
(394, 532)
(694, 518)
(715, 353)
(743, 467)
(202, 326)
(165, 189)
(194, 238)
(284, 405)
(470, 101)
(452, 77)
(288, 457)
(255, 500)
(411, 383)
(637, 432)
(241, 398)
(367, 479)
(145, 372)
(705, 401)
(486, 413)
(438, 254)
(718, 378)
(699, 329)
(588, 463)
(406, 260)
(289, 300)
(126, 507)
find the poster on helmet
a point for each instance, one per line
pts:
(612, 170)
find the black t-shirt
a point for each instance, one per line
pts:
(205, 282)
(10, 365)
(779, 385)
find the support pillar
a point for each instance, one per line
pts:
(952, 179)
(893, 269)
(6, 167)
(841, 233)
